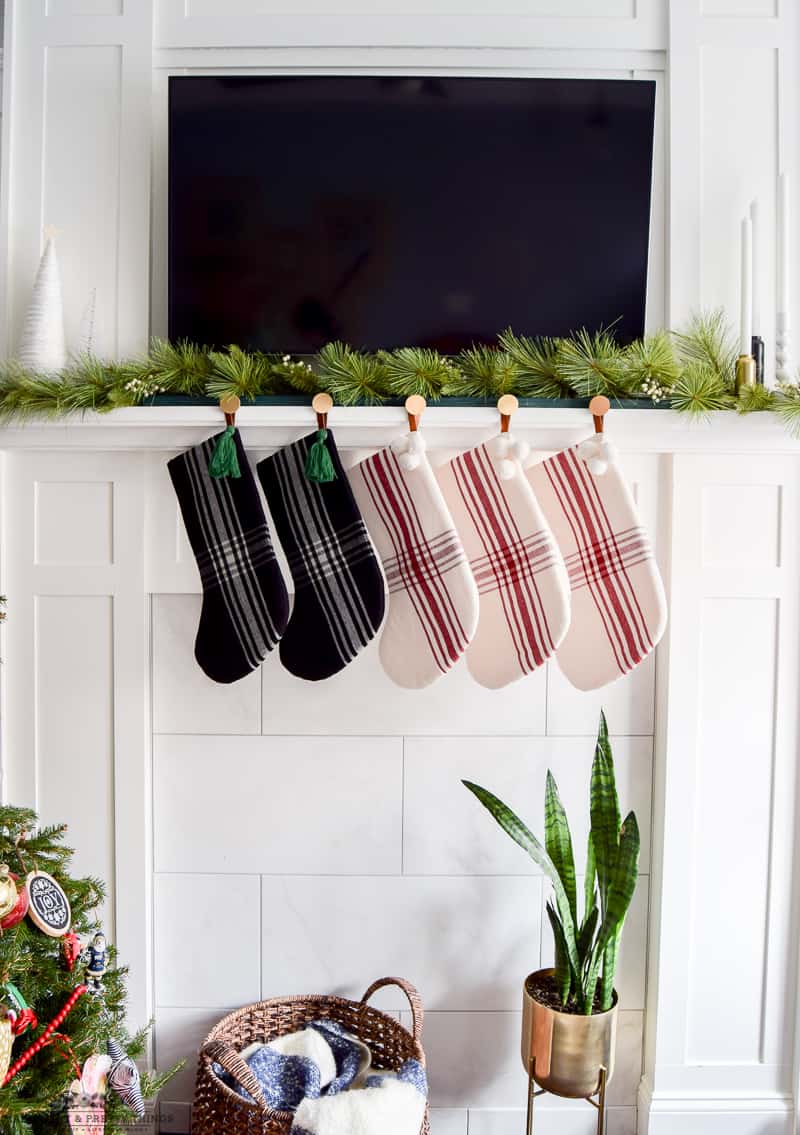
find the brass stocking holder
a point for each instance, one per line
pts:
(599, 1103)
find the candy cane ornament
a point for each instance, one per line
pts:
(46, 1036)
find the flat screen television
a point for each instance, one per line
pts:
(406, 210)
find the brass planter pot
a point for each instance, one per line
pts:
(564, 1052)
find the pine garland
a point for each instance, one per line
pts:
(692, 370)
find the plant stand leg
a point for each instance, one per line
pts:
(531, 1093)
(601, 1104)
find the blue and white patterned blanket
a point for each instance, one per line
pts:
(324, 1075)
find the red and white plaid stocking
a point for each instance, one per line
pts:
(433, 602)
(619, 610)
(521, 578)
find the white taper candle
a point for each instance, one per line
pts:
(746, 320)
(755, 221)
(784, 236)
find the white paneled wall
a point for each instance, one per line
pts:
(329, 828)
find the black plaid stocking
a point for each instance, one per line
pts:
(339, 591)
(245, 604)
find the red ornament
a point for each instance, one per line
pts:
(72, 949)
(20, 910)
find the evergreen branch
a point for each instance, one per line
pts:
(351, 376)
(753, 399)
(295, 375)
(787, 406)
(594, 364)
(709, 340)
(180, 368)
(235, 372)
(699, 391)
(651, 367)
(485, 372)
(418, 370)
(537, 361)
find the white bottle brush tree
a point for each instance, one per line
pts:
(42, 347)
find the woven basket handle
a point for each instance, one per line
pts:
(414, 1000)
(232, 1062)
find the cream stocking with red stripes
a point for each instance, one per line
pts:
(433, 602)
(619, 610)
(521, 578)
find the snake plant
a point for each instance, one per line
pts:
(586, 947)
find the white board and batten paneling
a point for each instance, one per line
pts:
(109, 724)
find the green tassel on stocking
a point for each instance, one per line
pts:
(319, 466)
(225, 460)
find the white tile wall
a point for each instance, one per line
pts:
(464, 941)
(184, 699)
(361, 699)
(311, 805)
(334, 835)
(447, 832)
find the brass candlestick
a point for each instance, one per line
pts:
(745, 372)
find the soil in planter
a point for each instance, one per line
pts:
(544, 989)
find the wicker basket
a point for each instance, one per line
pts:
(218, 1110)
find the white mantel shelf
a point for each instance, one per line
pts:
(163, 428)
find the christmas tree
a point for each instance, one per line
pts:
(49, 970)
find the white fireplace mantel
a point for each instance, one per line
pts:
(163, 428)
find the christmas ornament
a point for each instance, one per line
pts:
(8, 891)
(86, 1108)
(16, 915)
(95, 1074)
(519, 572)
(123, 1077)
(96, 955)
(86, 1115)
(618, 605)
(48, 904)
(339, 593)
(6, 1043)
(20, 1013)
(71, 945)
(245, 604)
(47, 1035)
(42, 345)
(433, 601)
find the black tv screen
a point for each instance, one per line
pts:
(389, 211)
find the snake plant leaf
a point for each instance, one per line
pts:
(589, 877)
(563, 974)
(622, 883)
(609, 968)
(558, 842)
(604, 810)
(586, 934)
(513, 826)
